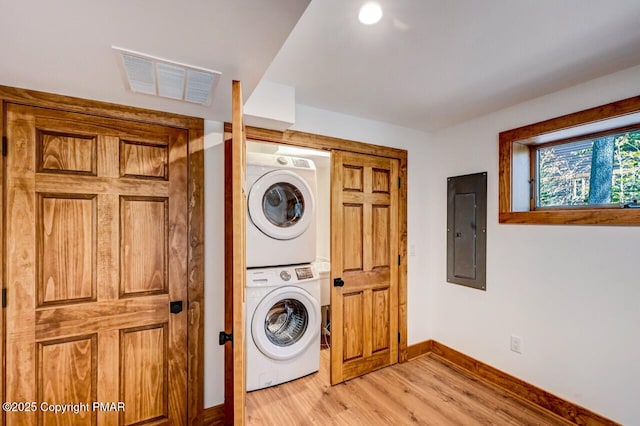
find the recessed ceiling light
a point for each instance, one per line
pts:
(370, 13)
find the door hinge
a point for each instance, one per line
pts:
(4, 146)
(399, 185)
(399, 260)
(398, 337)
(224, 338)
(4, 297)
(532, 188)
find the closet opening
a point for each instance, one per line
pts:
(288, 247)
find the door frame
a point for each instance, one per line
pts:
(235, 213)
(327, 143)
(195, 215)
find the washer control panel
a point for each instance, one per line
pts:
(304, 273)
(281, 275)
(301, 162)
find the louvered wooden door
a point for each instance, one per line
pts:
(364, 256)
(96, 243)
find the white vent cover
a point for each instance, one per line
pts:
(155, 76)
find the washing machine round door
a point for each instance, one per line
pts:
(285, 323)
(281, 204)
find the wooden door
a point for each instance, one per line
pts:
(96, 249)
(235, 264)
(364, 256)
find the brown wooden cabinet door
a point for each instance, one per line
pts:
(364, 254)
(96, 244)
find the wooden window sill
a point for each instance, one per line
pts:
(573, 217)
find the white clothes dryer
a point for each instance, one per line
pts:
(281, 222)
(282, 325)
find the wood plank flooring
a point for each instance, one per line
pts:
(425, 391)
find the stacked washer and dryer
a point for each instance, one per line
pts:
(283, 287)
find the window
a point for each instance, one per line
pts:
(581, 168)
(597, 171)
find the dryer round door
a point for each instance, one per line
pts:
(285, 323)
(281, 204)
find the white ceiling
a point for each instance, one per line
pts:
(432, 63)
(428, 63)
(64, 46)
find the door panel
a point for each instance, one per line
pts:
(353, 306)
(140, 160)
(96, 249)
(59, 152)
(67, 372)
(380, 223)
(66, 249)
(352, 240)
(364, 253)
(380, 319)
(143, 386)
(140, 273)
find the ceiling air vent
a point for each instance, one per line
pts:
(155, 76)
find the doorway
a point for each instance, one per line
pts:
(102, 230)
(399, 157)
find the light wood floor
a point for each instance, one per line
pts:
(425, 391)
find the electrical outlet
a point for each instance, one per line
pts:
(516, 344)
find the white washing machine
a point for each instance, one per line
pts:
(282, 325)
(281, 222)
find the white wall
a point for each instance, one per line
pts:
(271, 105)
(214, 263)
(323, 209)
(572, 293)
(330, 124)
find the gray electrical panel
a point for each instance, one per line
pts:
(467, 230)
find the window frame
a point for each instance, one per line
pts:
(605, 215)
